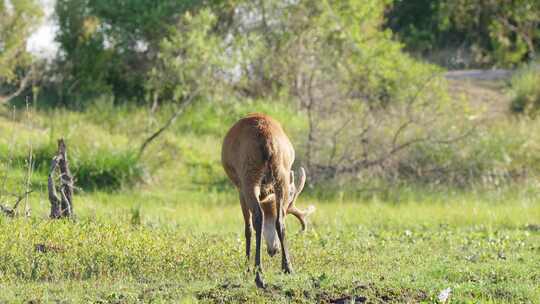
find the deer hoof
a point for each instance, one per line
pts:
(287, 269)
(259, 281)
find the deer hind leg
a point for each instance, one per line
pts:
(247, 226)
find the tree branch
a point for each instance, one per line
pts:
(11, 211)
(23, 84)
(167, 124)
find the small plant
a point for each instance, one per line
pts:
(136, 217)
(525, 88)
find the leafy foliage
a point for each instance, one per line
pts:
(109, 47)
(189, 60)
(17, 21)
(482, 32)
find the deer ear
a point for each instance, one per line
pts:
(292, 177)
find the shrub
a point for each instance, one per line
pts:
(99, 169)
(107, 170)
(525, 90)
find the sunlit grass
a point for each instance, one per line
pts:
(408, 251)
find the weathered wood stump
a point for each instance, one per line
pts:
(61, 207)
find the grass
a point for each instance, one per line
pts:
(168, 227)
(188, 248)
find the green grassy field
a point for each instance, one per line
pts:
(140, 247)
(169, 228)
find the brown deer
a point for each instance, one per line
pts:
(257, 157)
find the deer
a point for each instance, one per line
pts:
(257, 157)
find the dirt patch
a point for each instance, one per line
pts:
(362, 293)
(495, 74)
(532, 227)
(349, 300)
(44, 248)
(486, 97)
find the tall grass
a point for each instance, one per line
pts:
(98, 159)
(492, 156)
(103, 140)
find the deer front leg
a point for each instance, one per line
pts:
(280, 226)
(250, 194)
(247, 233)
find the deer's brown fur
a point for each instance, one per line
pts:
(257, 156)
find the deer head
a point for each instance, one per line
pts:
(294, 192)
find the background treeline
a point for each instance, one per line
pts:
(468, 33)
(346, 77)
(116, 48)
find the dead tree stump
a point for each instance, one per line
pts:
(62, 206)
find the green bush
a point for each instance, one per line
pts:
(101, 169)
(107, 170)
(89, 66)
(525, 90)
(493, 156)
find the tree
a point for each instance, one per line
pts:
(17, 20)
(190, 65)
(499, 32)
(109, 47)
(516, 23)
(365, 100)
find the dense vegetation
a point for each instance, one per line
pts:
(469, 33)
(526, 91)
(421, 183)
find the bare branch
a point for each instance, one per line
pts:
(400, 130)
(20, 198)
(355, 167)
(167, 124)
(23, 84)
(12, 211)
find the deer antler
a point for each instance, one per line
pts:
(301, 215)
